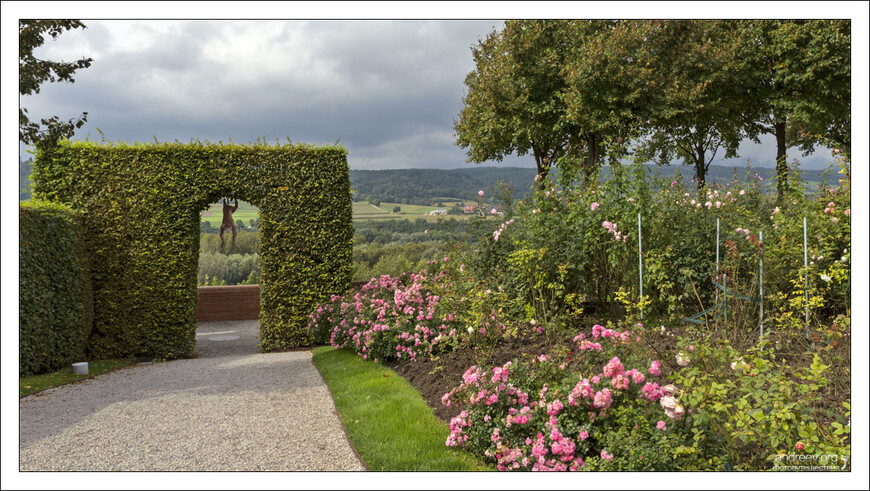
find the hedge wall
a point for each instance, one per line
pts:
(55, 306)
(143, 204)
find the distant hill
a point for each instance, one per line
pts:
(425, 186)
(428, 186)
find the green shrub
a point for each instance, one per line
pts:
(143, 203)
(756, 408)
(55, 303)
(233, 269)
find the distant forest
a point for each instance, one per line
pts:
(432, 186)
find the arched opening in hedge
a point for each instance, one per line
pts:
(142, 206)
(228, 259)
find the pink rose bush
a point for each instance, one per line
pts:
(389, 318)
(553, 413)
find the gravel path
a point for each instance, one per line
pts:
(231, 408)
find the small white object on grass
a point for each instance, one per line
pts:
(80, 368)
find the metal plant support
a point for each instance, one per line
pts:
(640, 260)
(806, 283)
(761, 287)
(721, 303)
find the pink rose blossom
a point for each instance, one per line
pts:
(602, 399)
(655, 368)
(595, 206)
(661, 425)
(480, 193)
(651, 391)
(638, 377)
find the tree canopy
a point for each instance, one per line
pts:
(699, 101)
(569, 92)
(513, 102)
(801, 72)
(33, 72)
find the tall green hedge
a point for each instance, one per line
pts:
(55, 305)
(143, 205)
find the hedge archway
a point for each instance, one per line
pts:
(142, 203)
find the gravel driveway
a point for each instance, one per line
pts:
(231, 408)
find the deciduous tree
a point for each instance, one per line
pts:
(699, 101)
(513, 102)
(801, 70)
(33, 72)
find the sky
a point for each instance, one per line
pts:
(389, 90)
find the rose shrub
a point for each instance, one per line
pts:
(389, 318)
(585, 409)
(582, 408)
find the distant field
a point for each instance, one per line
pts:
(215, 213)
(361, 211)
(366, 211)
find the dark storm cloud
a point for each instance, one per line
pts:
(388, 90)
(383, 89)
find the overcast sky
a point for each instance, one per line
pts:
(388, 90)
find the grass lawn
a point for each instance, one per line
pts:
(35, 383)
(386, 419)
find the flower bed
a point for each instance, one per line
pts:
(498, 342)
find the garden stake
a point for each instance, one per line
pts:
(717, 256)
(640, 260)
(725, 302)
(761, 287)
(806, 283)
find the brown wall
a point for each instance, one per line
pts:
(228, 303)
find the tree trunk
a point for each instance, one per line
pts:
(781, 164)
(700, 168)
(593, 157)
(543, 165)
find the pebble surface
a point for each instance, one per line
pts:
(230, 409)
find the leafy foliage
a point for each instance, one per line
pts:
(142, 204)
(227, 269)
(54, 297)
(800, 75)
(513, 101)
(33, 72)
